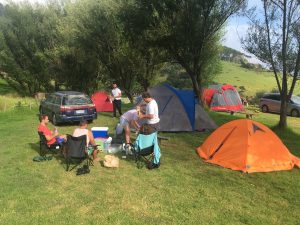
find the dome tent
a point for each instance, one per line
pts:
(222, 98)
(102, 102)
(248, 146)
(179, 110)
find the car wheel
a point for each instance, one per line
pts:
(264, 109)
(294, 113)
(54, 120)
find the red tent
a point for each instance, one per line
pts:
(222, 98)
(102, 102)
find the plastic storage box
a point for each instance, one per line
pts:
(100, 132)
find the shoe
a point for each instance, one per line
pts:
(83, 170)
(152, 166)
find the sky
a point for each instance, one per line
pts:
(236, 27)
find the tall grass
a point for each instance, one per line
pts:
(8, 103)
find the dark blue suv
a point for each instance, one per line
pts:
(68, 106)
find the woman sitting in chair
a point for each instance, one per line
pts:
(83, 130)
(51, 137)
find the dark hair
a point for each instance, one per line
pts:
(83, 122)
(42, 117)
(146, 95)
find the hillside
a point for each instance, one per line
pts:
(253, 83)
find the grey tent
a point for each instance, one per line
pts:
(179, 110)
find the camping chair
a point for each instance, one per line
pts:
(76, 151)
(44, 147)
(146, 148)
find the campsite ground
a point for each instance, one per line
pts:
(184, 190)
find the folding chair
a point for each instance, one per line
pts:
(76, 151)
(44, 147)
(146, 148)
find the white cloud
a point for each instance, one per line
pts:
(233, 36)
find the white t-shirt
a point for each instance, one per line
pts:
(116, 92)
(152, 109)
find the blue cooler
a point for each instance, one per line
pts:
(100, 132)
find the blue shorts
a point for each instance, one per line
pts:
(59, 140)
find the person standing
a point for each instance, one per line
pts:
(116, 94)
(151, 115)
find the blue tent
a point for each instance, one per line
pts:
(179, 110)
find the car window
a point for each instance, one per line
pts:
(77, 100)
(273, 97)
(51, 99)
(295, 99)
(277, 97)
(57, 100)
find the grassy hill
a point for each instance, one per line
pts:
(253, 82)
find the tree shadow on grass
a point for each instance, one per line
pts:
(56, 155)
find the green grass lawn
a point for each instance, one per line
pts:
(184, 190)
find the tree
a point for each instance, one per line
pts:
(188, 30)
(28, 33)
(99, 30)
(275, 40)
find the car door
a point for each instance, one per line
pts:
(276, 103)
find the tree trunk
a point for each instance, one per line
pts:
(197, 89)
(283, 111)
(282, 122)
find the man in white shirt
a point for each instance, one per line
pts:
(116, 94)
(151, 115)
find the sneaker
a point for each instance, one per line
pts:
(82, 170)
(128, 149)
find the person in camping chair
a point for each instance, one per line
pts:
(90, 141)
(151, 116)
(51, 137)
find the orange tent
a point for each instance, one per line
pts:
(248, 146)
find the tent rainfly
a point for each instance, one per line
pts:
(222, 98)
(179, 110)
(102, 102)
(248, 146)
